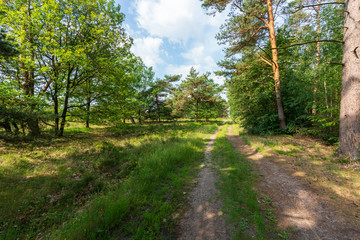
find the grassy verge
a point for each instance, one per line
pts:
(316, 163)
(99, 184)
(251, 217)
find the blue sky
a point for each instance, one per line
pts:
(173, 35)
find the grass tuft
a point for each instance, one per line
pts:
(241, 202)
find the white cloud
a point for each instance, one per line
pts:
(183, 29)
(148, 49)
(177, 20)
(219, 79)
(200, 56)
(180, 69)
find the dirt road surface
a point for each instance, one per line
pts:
(298, 207)
(204, 218)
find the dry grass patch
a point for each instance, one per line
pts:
(316, 163)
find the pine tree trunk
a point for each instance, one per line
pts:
(275, 65)
(196, 111)
(158, 107)
(326, 95)
(349, 139)
(317, 61)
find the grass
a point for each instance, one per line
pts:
(100, 183)
(252, 217)
(316, 163)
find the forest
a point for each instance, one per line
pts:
(94, 146)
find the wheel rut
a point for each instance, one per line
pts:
(204, 218)
(298, 207)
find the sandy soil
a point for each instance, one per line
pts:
(298, 206)
(204, 218)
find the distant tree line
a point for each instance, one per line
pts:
(71, 59)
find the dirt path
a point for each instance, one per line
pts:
(297, 205)
(204, 219)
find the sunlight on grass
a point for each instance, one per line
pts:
(312, 160)
(250, 216)
(94, 183)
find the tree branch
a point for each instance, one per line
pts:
(304, 43)
(264, 59)
(315, 5)
(249, 13)
(335, 63)
(253, 35)
(47, 123)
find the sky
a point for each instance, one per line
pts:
(173, 35)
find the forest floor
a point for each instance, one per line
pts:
(139, 182)
(119, 182)
(315, 195)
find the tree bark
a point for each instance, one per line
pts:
(275, 65)
(28, 90)
(29, 79)
(132, 120)
(349, 139)
(88, 101)
(66, 104)
(158, 107)
(196, 110)
(17, 130)
(56, 109)
(139, 117)
(317, 61)
(326, 95)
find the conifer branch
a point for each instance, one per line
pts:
(335, 63)
(304, 43)
(267, 61)
(315, 5)
(249, 13)
(254, 34)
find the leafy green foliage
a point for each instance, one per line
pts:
(70, 53)
(310, 86)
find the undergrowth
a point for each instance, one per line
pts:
(99, 184)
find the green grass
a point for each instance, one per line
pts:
(99, 183)
(252, 217)
(269, 143)
(287, 153)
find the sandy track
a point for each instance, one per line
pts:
(297, 205)
(204, 218)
